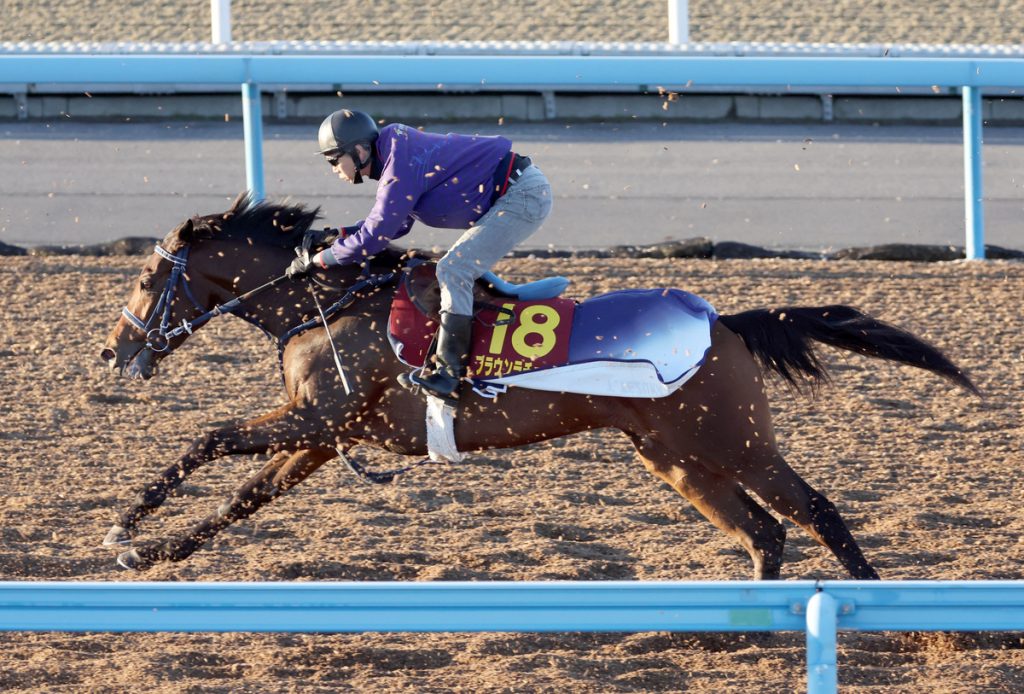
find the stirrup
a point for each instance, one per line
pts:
(405, 380)
(423, 384)
(410, 380)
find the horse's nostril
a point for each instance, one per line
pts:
(107, 354)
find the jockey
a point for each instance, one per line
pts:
(450, 181)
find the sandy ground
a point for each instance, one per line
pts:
(870, 21)
(927, 477)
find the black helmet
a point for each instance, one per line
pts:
(343, 130)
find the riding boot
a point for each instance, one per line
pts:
(453, 343)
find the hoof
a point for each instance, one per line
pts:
(133, 561)
(117, 536)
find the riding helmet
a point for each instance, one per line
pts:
(343, 130)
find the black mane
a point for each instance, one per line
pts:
(260, 222)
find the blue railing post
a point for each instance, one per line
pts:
(974, 212)
(821, 644)
(252, 124)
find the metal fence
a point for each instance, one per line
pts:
(644, 73)
(819, 608)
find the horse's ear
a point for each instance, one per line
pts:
(240, 202)
(184, 234)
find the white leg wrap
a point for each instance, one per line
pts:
(441, 431)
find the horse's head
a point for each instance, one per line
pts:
(204, 262)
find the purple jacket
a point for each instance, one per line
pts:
(441, 180)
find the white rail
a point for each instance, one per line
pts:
(678, 21)
(220, 21)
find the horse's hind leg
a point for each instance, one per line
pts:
(788, 494)
(281, 429)
(723, 502)
(279, 475)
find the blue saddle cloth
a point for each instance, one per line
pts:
(667, 327)
(632, 343)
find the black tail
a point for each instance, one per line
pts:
(780, 339)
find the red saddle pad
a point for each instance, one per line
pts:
(536, 338)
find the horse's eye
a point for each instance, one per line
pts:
(146, 284)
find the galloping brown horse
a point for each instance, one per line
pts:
(711, 440)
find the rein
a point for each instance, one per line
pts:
(347, 299)
(158, 338)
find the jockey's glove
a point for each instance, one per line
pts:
(301, 266)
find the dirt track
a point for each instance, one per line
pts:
(927, 477)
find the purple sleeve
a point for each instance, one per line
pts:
(397, 194)
(326, 258)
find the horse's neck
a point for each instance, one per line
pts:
(292, 306)
(279, 310)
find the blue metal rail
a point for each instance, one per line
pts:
(818, 607)
(541, 72)
(547, 71)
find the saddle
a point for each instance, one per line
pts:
(415, 316)
(423, 290)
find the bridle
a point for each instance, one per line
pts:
(158, 339)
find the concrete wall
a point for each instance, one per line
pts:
(522, 107)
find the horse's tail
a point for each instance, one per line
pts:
(780, 339)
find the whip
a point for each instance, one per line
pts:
(330, 339)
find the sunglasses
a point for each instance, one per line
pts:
(335, 159)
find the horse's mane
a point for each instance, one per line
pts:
(275, 224)
(262, 222)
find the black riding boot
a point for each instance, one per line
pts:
(453, 344)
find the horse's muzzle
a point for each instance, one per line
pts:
(139, 364)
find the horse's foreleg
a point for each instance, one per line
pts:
(278, 476)
(282, 429)
(723, 502)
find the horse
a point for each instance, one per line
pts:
(711, 440)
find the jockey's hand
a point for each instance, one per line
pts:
(301, 265)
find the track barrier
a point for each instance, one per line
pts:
(819, 608)
(532, 72)
(538, 72)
